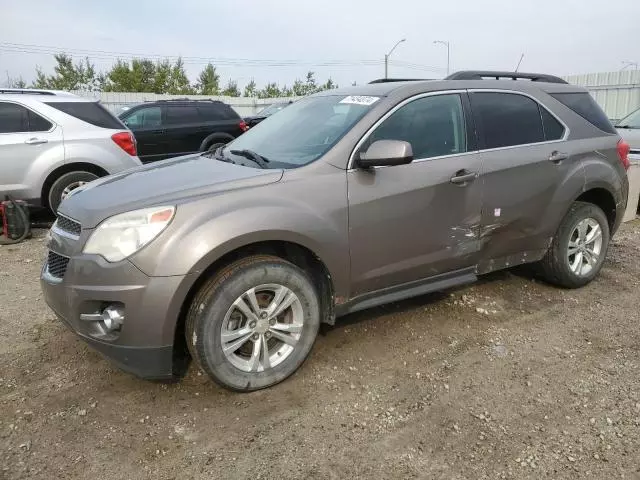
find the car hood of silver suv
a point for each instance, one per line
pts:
(168, 182)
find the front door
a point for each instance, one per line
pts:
(184, 129)
(419, 220)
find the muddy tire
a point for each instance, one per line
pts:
(254, 323)
(578, 249)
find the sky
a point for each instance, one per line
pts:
(279, 40)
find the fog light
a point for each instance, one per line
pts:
(112, 317)
(110, 320)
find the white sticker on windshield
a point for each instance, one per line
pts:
(360, 100)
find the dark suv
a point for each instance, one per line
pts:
(169, 128)
(344, 200)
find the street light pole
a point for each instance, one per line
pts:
(446, 44)
(386, 57)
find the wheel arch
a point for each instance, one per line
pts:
(67, 168)
(216, 137)
(294, 252)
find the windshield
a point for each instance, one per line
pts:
(304, 131)
(631, 121)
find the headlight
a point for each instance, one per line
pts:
(123, 235)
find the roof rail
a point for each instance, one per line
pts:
(26, 91)
(184, 100)
(485, 74)
(387, 80)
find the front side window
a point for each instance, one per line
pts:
(305, 130)
(149, 117)
(13, 118)
(434, 126)
(507, 119)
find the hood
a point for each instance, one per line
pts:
(168, 182)
(632, 137)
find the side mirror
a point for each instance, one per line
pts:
(386, 153)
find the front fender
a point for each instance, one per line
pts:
(195, 240)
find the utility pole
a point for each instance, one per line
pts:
(386, 57)
(446, 44)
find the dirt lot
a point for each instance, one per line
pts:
(508, 378)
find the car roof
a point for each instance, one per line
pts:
(47, 96)
(412, 87)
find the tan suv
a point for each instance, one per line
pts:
(344, 200)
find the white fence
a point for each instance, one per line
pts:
(114, 101)
(618, 93)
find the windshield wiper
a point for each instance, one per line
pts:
(251, 155)
(217, 154)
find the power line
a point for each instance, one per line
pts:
(196, 60)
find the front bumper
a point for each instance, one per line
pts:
(144, 345)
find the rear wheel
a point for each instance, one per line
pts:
(254, 323)
(579, 247)
(65, 184)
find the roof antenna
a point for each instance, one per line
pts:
(519, 62)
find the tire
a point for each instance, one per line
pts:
(214, 138)
(64, 184)
(556, 266)
(213, 310)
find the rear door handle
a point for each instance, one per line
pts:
(158, 131)
(557, 157)
(463, 177)
(36, 141)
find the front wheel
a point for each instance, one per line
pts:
(254, 323)
(579, 247)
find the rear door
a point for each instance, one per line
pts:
(219, 118)
(184, 129)
(146, 123)
(525, 160)
(416, 221)
(25, 136)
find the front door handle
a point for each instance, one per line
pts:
(463, 177)
(36, 141)
(557, 157)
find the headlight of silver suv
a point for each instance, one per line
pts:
(122, 235)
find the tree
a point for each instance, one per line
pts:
(231, 90)
(271, 90)
(208, 81)
(16, 82)
(140, 76)
(328, 85)
(162, 77)
(250, 90)
(178, 80)
(68, 76)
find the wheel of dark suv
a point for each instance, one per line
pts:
(65, 184)
(254, 323)
(215, 138)
(579, 247)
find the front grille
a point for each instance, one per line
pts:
(68, 225)
(57, 264)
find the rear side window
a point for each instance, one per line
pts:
(179, 114)
(212, 111)
(90, 112)
(585, 106)
(553, 129)
(16, 118)
(507, 119)
(37, 123)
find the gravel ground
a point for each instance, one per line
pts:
(509, 378)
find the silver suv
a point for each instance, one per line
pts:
(52, 142)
